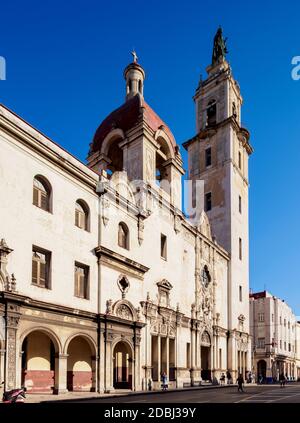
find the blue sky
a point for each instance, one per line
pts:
(65, 64)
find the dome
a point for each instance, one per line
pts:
(134, 110)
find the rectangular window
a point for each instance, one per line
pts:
(284, 323)
(240, 160)
(289, 347)
(81, 283)
(261, 317)
(208, 157)
(240, 249)
(41, 267)
(240, 293)
(285, 346)
(220, 359)
(163, 246)
(280, 343)
(280, 320)
(261, 343)
(188, 355)
(208, 202)
(240, 204)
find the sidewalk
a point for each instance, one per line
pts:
(71, 396)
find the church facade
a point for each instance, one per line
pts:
(105, 283)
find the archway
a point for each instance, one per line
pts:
(38, 362)
(205, 357)
(79, 368)
(122, 363)
(262, 369)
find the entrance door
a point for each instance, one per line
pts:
(122, 366)
(205, 364)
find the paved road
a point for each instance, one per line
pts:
(252, 394)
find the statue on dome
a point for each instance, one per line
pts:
(220, 48)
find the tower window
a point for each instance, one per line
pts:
(123, 236)
(208, 202)
(240, 293)
(240, 249)
(211, 113)
(261, 317)
(240, 204)
(240, 160)
(208, 157)
(163, 246)
(140, 86)
(234, 113)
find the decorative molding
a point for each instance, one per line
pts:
(120, 262)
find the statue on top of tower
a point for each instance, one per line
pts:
(134, 55)
(220, 48)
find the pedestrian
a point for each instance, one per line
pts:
(240, 382)
(164, 380)
(222, 379)
(260, 379)
(228, 377)
(282, 380)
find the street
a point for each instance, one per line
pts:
(252, 394)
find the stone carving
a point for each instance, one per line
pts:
(205, 339)
(164, 288)
(8, 282)
(124, 312)
(105, 210)
(123, 285)
(177, 223)
(204, 225)
(140, 230)
(109, 307)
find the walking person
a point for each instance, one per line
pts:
(282, 380)
(164, 380)
(228, 375)
(240, 382)
(222, 379)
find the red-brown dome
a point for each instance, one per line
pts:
(126, 117)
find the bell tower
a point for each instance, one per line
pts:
(219, 155)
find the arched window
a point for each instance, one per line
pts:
(211, 113)
(42, 193)
(82, 215)
(123, 236)
(140, 86)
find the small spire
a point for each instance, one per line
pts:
(135, 58)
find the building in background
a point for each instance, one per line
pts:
(275, 337)
(104, 282)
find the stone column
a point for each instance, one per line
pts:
(2, 360)
(12, 320)
(94, 373)
(109, 367)
(167, 358)
(158, 359)
(192, 356)
(60, 383)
